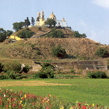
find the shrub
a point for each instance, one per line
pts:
(2, 77)
(27, 33)
(72, 70)
(47, 71)
(12, 66)
(58, 51)
(101, 52)
(26, 68)
(98, 74)
(1, 67)
(10, 75)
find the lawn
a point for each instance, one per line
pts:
(71, 90)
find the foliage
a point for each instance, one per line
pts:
(1, 67)
(101, 52)
(26, 68)
(26, 33)
(47, 71)
(21, 100)
(32, 21)
(12, 66)
(2, 34)
(9, 32)
(58, 51)
(18, 25)
(10, 75)
(50, 22)
(27, 22)
(77, 35)
(72, 70)
(55, 34)
(97, 74)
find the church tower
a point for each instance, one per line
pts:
(38, 19)
(42, 19)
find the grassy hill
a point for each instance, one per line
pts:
(40, 48)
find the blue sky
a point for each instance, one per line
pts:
(86, 16)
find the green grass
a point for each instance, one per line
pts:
(82, 90)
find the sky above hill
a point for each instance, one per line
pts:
(86, 16)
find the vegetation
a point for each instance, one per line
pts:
(27, 22)
(1, 67)
(101, 52)
(47, 71)
(26, 33)
(58, 51)
(55, 34)
(69, 90)
(26, 68)
(12, 66)
(32, 21)
(2, 34)
(18, 25)
(50, 22)
(77, 35)
(98, 74)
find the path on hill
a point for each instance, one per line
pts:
(40, 33)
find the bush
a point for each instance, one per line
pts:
(26, 68)
(27, 33)
(98, 74)
(12, 66)
(2, 77)
(47, 71)
(101, 52)
(72, 70)
(58, 51)
(10, 75)
(1, 67)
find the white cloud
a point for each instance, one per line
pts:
(82, 23)
(103, 3)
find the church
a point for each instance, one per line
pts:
(41, 20)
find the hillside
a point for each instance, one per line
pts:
(40, 48)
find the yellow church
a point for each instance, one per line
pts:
(41, 20)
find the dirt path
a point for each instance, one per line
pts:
(27, 83)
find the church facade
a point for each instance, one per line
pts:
(41, 20)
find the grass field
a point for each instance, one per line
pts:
(71, 90)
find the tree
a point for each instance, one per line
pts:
(58, 51)
(76, 34)
(32, 21)
(102, 52)
(18, 25)
(26, 33)
(83, 35)
(57, 34)
(27, 22)
(2, 34)
(9, 32)
(50, 22)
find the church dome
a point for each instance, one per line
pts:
(52, 16)
(63, 20)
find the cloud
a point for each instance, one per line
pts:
(82, 23)
(102, 3)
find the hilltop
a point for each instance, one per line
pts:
(40, 48)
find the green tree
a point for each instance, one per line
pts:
(18, 25)
(9, 32)
(32, 21)
(26, 33)
(2, 34)
(58, 51)
(83, 35)
(76, 34)
(50, 22)
(27, 22)
(101, 52)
